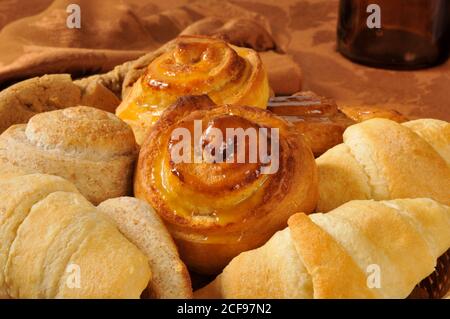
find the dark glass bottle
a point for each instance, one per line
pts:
(395, 34)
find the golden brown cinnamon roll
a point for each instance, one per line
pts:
(321, 121)
(366, 112)
(193, 65)
(215, 204)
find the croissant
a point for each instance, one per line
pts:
(194, 65)
(217, 209)
(91, 148)
(363, 249)
(436, 133)
(381, 159)
(55, 244)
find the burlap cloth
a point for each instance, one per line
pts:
(34, 40)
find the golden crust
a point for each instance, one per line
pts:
(367, 112)
(110, 265)
(430, 218)
(92, 148)
(435, 132)
(17, 196)
(363, 249)
(19, 102)
(338, 166)
(334, 273)
(321, 121)
(194, 65)
(384, 246)
(271, 271)
(389, 159)
(28, 279)
(7, 170)
(318, 118)
(81, 129)
(46, 226)
(406, 165)
(140, 224)
(210, 218)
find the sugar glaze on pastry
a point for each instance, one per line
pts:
(216, 210)
(194, 65)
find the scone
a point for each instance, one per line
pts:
(91, 148)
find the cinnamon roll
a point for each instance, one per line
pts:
(194, 65)
(317, 117)
(221, 199)
(361, 113)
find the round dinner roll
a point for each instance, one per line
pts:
(142, 226)
(91, 148)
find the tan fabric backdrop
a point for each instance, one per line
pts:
(34, 40)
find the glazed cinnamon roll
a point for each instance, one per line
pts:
(218, 195)
(367, 112)
(321, 121)
(193, 65)
(317, 117)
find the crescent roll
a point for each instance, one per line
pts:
(194, 65)
(362, 249)
(91, 148)
(56, 244)
(217, 208)
(381, 159)
(435, 132)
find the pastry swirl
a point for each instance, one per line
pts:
(318, 118)
(218, 209)
(321, 120)
(193, 65)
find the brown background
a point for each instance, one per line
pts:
(34, 40)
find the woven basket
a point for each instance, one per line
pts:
(436, 285)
